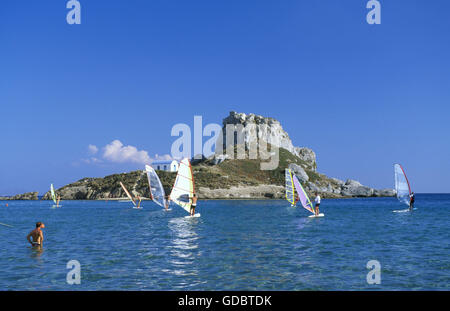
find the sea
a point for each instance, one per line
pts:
(360, 244)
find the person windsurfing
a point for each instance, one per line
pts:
(194, 204)
(317, 203)
(297, 198)
(139, 201)
(412, 199)
(166, 203)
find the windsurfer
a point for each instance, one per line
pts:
(139, 201)
(194, 204)
(317, 203)
(412, 199)
(166, 203)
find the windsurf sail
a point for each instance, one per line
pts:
(290, 192)
(128, 194)
(183, 188)
(402, 187)
(306, 203)
(52, 193)
(156, 189)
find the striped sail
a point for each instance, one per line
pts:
(402, 187)
(183, 189)
(306, 203)
(156, 189)
(289, 182)
(128, 194)
(52, 193)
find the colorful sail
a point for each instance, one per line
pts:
(128, 194)
(402, 187)
(306, 203)
(290, 192)
(183, 189)
(52, 193)
(156, 189)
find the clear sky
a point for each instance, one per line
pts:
(361, 96)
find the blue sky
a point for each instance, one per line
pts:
(361, 96)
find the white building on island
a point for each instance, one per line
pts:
(166, 165)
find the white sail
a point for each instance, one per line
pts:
(402, 187)
(183, 189)
(52, 193)
(156, 189)
(128, 194)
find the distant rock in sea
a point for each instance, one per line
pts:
(24, 196)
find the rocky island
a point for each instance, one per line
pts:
(220, 177)
(24, 196)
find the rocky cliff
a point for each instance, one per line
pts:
(252, 129)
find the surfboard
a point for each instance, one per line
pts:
(196, 215)
(404, 210)
(167, 210)
(315, 216)
(56, 206)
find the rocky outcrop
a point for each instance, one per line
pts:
(308, 156)
(274, 134)
(25, 196)
(299, 172)
(354, 188)
(104, 188)
(251, 129)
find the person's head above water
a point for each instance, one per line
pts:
(40, 225)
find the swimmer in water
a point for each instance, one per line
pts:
(37, 235)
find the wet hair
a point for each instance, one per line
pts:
(38, 224)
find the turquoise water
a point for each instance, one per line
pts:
(235, 245)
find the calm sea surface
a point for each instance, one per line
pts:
(234, 245)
